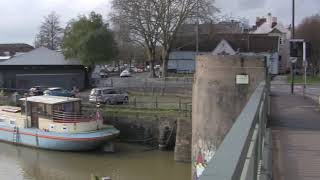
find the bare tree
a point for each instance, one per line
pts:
(156, 22)
(50, 34)
(141, 19)
(173, 14)
(309, 30)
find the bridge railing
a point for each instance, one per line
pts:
(245, 153)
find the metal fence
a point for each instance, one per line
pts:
(244, 153)
(150, 105)
(150, 85)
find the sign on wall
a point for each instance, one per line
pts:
(242, 79)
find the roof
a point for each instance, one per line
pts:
(40, 56)
(14, 48)
(50, 99)
(267, 28)
(256, 43)
(209, 28)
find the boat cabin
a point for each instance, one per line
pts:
(57, 114)
(51, 107)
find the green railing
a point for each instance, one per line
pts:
(245, 153)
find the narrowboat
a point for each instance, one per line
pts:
(54, 123)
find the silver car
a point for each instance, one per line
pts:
(108, 96)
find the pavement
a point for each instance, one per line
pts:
(295, 124)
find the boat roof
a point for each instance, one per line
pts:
(50, 99)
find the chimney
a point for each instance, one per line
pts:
(269, 19)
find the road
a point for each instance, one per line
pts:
(296, 132)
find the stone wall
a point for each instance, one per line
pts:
(218, 100)
(182, 151)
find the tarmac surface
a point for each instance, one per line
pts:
(295, 123)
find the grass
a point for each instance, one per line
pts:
(149, 101)
(300, 79)
(140, 111)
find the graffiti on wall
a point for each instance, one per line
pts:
(204, 154)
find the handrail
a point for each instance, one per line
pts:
(240, 154)
(70, 117)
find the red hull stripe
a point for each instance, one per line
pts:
(56, 137)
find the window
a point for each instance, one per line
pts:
(95, 92)
(112, 92)
(281, 41)
(13, 122)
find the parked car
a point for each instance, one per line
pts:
(125, 73)
(136, 70)
(103, 74)
(108, 96)
(37, 90)
(57, 91)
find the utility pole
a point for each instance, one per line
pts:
(197, 29)
(292, 37)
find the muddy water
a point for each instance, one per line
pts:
(129, 163)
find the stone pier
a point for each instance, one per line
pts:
(222, 87)
(182, 151)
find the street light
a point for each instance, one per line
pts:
(197, 28)
(292, 37)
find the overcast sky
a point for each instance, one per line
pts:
(20, 19)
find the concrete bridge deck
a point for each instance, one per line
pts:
(295, 123)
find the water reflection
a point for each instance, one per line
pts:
(23, 163)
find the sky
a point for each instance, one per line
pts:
(20, 19)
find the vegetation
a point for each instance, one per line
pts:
(156, 22)
(300, 79)
(90, 40)
(309, 30)
(50, 34)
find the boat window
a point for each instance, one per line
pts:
(12, 122)
(49, 109)
(41, 109)
(2, 120)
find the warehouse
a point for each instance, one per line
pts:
(42, 67)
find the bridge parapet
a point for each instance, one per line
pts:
(245, 153)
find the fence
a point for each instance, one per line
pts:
(150, 85)
(243, 153)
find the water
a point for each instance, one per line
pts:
(129, 163)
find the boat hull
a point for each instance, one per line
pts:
(58, 141)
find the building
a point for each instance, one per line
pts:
(269, 25)
(182, 58)
(211, 28)
(42, 67)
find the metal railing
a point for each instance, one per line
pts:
(243, 154)
(70, 117)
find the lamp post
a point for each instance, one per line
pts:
(292, 37)
(197, 28)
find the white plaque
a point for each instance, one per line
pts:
(242, 79)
